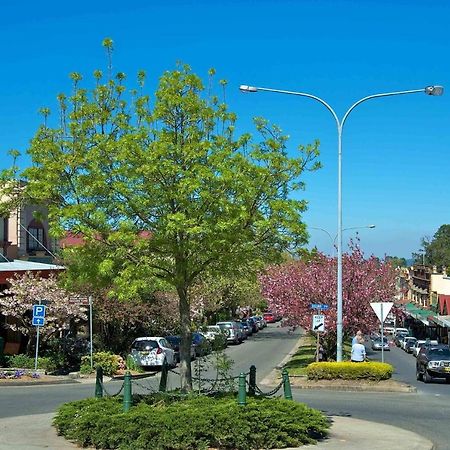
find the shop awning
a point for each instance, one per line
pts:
(418, 313)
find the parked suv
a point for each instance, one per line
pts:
(433, 361)
(232, 331)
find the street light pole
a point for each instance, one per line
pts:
(333, 240)
(429, 90)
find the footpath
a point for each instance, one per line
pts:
(35, 432)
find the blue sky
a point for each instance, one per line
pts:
(396, 161)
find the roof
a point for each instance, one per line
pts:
(16, 267)
(19, 265)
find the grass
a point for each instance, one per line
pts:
(306, 355)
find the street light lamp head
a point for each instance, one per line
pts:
(245, 88)
(434, 90)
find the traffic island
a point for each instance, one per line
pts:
(302, 382)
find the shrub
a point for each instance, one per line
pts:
(27, 362)
(131, 364)
(349, 371)
(190, 423)
(109, 362)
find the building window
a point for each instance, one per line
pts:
(35, 236)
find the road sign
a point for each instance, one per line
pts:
(318, 323)
(381, 309)
(38, 321)
(319, 306)
(38, 310)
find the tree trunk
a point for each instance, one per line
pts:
(186, 340)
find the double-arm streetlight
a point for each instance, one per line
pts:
(333, 240)
(429, 90)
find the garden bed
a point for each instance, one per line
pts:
(166, 422)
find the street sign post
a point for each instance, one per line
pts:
(318, 325)
(38, 321)
(382, 309)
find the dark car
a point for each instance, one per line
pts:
(201, 345)
(252, 323)
(398, 339)
(247, 327)
(433, 361)
(174, 341)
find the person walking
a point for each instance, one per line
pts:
(358, 352)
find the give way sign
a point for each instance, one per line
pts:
(381, 309)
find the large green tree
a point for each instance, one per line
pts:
(119, 164)
(437, 250)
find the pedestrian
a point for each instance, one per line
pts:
(359, 351)
(357, 338)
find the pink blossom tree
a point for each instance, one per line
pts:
(290, 288)
(25, 290)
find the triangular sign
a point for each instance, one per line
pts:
(381, 309)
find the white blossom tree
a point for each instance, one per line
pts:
(28, 289)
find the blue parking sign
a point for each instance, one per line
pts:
(38, 321)
(38, 311)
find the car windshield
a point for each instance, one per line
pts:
(439, 352)
(144, 345)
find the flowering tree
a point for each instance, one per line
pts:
(290, 289)
(25, 290)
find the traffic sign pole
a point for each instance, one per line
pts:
(90, 329)
(382, 335)
(37, 349)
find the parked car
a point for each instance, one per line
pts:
(421, 343)
(261, 322)
(152, 352)
(232, 331)
(253, 324)
(201, 345)
(381, 344)
(212, 331)
(398, 340)
(269, 317)
(408, 342)
(245, 329)
(175, 341)
(433, 361)
(257, 321)
(401, 332)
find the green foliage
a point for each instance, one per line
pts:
(349, 371)
(27, 362)
(109, 362)
(191, 423)
(395, 261)
(437, 249)
(165, 187)
(131, 364)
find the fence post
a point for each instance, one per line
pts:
(286, 385)
(164, 373)
(242, 393)
(252, 381)
(99, 382)
(127, 393)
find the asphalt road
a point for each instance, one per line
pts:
(264, 349)
(425, 412)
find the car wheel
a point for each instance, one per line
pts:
(427, 378)
(418, 375)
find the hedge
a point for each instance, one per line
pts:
(162, 422)
(349, 371)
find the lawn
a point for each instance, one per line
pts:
(306, 355)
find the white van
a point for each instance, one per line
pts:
(401, 331)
